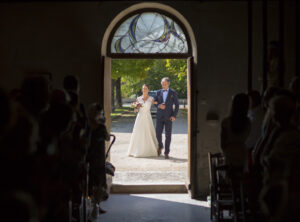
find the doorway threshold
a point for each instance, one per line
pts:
(150, 177)
(148, 188)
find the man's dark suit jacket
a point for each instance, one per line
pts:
(172, 99)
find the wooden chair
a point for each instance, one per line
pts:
(221, 193)
(79, 211)
(236, 178)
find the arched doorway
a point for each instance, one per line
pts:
(113, 47)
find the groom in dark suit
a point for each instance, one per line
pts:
(165, 115)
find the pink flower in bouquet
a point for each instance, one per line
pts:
(136, 106)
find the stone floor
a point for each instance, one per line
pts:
(154, 170)
(154, 208)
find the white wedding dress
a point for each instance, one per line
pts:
(143, 142)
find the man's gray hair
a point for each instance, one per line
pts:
(166, 79)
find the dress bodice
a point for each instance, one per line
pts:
(146, 104)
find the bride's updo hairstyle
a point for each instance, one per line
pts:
(147, 86)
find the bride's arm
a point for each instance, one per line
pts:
(153, 101)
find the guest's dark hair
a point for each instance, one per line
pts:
(59, 96)
(288, 93)
(269, 94)
(94, 110)
(239, 110)
(56, 120)
(71, 83)
(74, 99)
(35, 94)
(283, 107)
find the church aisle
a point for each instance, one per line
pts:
(154, 208)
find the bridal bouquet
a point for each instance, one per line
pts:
(136, 106)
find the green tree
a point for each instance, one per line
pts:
(178, 70)
(156, 73)
(129, 69)
(175, 69)
(132, 74)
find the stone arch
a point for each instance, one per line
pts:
(191, 78)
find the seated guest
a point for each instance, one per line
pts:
(59, 96)
(18, 205)
(70, 147)
(267, 125)
(35, 95)
(282, 150)
(261, 148)
(53, 123)
(80, 125)
(282, 93)
(18, 137)
(96, 156)
(235, 130)
(19, 147)
(256, 115)
(72, 86)
(81, 129)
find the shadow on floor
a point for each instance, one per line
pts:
(128, 208)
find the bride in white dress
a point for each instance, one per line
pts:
(143, 142)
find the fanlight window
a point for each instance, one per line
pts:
(149, 32)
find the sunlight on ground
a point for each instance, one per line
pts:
(178, 198)
(130, 170)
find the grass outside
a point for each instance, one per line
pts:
(125, 110)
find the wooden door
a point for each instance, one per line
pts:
(192, 127)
